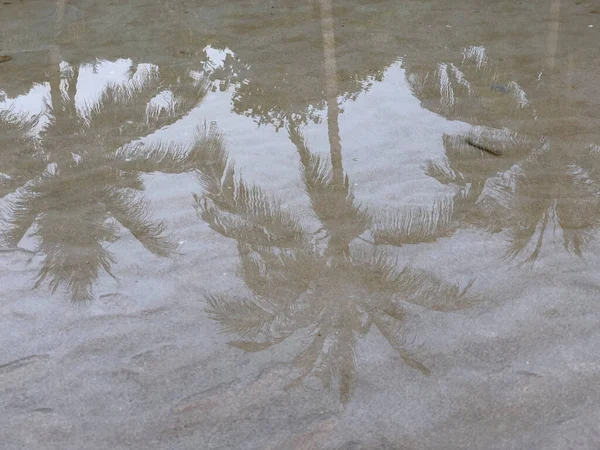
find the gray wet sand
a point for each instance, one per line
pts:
(299, 225)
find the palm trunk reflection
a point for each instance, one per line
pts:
(333, 111)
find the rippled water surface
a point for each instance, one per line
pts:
(309, 224)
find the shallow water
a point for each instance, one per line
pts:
(299, 225)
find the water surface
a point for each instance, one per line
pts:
(299, 225)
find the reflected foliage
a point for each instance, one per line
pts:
(330, 287)
(77, 181)
(276, 69)
(517, 171)
(19, 159)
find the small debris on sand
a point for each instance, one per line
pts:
(4, 58)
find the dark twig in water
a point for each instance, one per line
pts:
(500, 88)
(489, 150)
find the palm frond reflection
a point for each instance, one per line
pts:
(80, 180)
(333, 290)
(519, 170)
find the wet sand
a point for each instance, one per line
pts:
(299, 225)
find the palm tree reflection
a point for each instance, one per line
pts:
(82, 177)
(541, 174)
(333, 292)
(557, 187)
